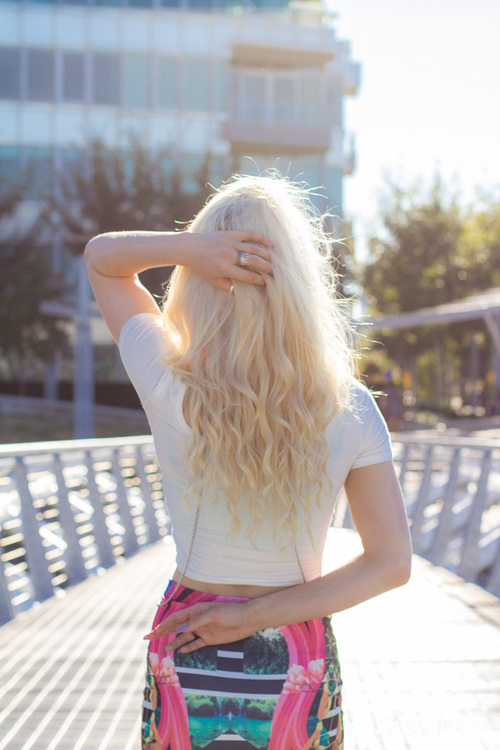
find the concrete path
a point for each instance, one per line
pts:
(421, 665)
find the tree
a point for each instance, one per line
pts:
(27, 336)
(129, 189)
(417, 261)
(432, 251)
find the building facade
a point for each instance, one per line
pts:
(256, 84)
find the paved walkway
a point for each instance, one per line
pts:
(421, 664)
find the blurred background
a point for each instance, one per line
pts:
(120, 114)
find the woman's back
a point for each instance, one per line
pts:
(251, 349)
(266, 368)
(221, 555)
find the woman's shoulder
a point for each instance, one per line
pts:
(144, 333)
(144, 348)
(360, 397)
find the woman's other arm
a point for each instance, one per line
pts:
(114, 260)
(378, 512)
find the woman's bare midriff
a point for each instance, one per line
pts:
(226, 589)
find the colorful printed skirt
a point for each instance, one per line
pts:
(280, 689)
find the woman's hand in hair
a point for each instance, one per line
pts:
(214, 255)
(204, 624)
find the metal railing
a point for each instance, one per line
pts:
(70, 509)
(452, 494)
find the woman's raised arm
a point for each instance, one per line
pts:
(114, 260)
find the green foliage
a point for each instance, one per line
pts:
(203, 658)
(117, 190)
(266, 657)
(27, 336)
(202, 705)
(430, 251)
(417, 261)
(258, 708)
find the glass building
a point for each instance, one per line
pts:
(253, 83)
(264, 79)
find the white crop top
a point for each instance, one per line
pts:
(358, 437)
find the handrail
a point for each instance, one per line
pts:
(70, 508)
(422, 437)
(58, 446)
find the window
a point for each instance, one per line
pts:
(252, 103)
(136, 81)
(106, 79)
(312, 114)
(335, 99)
(73, 88)
(284, 101)
(220, 86)
(197, 87)
(308, 169)
(113, 3)
(168, 83)
(40, 75)
(334, 183)
(9, 168)
(10, 73)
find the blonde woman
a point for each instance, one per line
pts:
(246, 377)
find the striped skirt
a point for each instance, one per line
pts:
(279, 689)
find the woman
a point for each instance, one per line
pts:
(246, 379)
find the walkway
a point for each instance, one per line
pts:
(421, 665)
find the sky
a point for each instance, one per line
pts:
(429, 99)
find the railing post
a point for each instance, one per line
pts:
(101, 534)
(74, 561)
(6, 608)
(35, 554)
(493, 583)
(149, 512)
(440, 542)
(130, 537)
(404, 464)
(467, 567)
(423, 493)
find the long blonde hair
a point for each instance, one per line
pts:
(266, 368)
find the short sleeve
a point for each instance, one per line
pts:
(376, 441)
(143, 347)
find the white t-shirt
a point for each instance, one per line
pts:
(357, 437)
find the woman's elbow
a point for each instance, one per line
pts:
(93, 249)
(89, 251)
(399, 570)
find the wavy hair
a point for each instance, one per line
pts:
(266, 368)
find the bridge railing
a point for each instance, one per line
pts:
(452, 494)
(70, 509)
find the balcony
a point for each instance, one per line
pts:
(275, 137)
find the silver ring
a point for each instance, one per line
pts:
(242, 259)
(231, 289)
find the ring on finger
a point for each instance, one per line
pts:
(242, 259)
